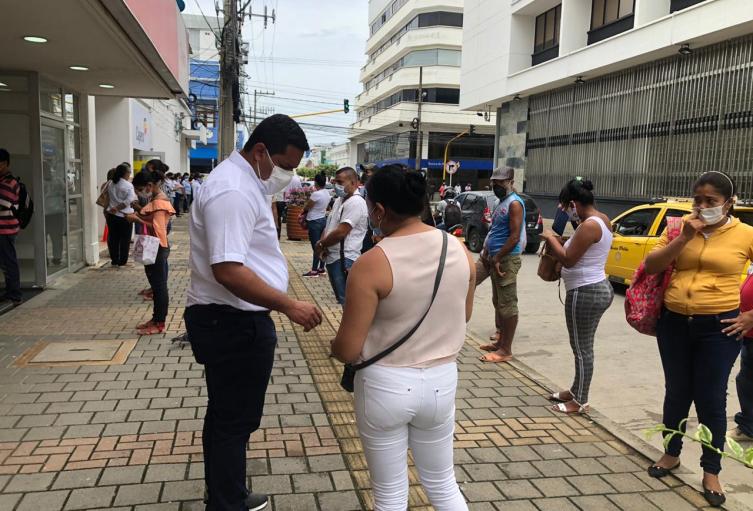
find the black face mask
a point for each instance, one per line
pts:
(499, 191)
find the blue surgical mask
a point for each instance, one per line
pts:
(340, 190)
(376, 229)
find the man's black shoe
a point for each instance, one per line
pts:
(254, 501)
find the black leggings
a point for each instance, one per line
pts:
(156, 274)
(118, 239)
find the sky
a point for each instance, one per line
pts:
(310, 58)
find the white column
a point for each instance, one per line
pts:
(92, 212)
(576, 22)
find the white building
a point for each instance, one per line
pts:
(339, 155)
(407, 36)
(641, 96)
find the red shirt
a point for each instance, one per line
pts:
(746, 300)
(9, 190)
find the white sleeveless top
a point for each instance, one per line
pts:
(413, 260)
(590, 268)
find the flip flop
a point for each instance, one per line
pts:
(489, 347)
(560, 407)
(495, 358)
(151, 329)
(494, 336)
(556, 397)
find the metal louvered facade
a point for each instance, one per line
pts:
(648, 131)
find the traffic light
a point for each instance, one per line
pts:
(472, 130)
(346, 106)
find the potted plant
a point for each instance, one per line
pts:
(297, 199)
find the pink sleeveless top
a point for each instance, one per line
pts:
(414, 260)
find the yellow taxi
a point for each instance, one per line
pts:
(637, 231)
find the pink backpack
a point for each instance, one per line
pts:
(645, 297)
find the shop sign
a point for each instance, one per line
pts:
(141, 118)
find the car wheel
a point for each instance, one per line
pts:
(475, 243)
(532, 248)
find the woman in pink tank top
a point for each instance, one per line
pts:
(407, 398)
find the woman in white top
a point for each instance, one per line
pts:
(122, 197)
(406, 399)
(315, 211)
(589, 293)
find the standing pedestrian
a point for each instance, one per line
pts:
(407, 398)
(503, 246)
(187, 192)
(589, 293)
(367, 170)
(195, 187)
(709, 255)
(316, 219)
(122, 197)
(457, 189)
(468, 187)
(155, 217)
(179, 192)
(239, 275)
(742, 328)
(346, 226)
(9, 228)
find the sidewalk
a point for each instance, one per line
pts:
(127, 435)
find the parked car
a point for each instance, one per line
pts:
(637, 231)
(477, 210)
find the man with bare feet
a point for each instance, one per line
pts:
(503, 247)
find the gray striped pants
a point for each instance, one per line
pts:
(584, 308)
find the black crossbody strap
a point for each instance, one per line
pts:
(342, 242)
(437, 280)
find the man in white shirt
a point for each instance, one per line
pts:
(280, 204)
(239, 275)
(342, 241)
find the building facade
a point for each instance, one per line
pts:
(339, 155)
(414, 44)
(640, 96)
(51, 81)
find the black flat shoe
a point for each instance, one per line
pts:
(658, 472)
(714, 498)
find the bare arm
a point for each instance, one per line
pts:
(336, 235)
(516, 222)
(471, 287)
(369, 279)
(586, 235)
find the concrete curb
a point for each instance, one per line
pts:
(621, 433)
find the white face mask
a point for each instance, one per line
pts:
(711, 216)
(278, 179)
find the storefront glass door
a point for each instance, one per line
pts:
(55, 197)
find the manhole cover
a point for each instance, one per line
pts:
(76, 353)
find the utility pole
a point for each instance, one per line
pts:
(419, 135)
(256, 94)
(228, 77)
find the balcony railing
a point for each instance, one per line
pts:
(544, 55)
(611, 29)
(678, 5)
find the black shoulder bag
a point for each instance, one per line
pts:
(342, 243)
(349, 370)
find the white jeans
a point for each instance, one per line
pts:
(398, 407)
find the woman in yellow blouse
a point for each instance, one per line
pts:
(709, 256)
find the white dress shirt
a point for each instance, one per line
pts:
(232, 222)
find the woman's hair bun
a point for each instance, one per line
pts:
(587, 185)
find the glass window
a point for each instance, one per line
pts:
(605, 12)
(636, 224)
(71, 107)
(547, 29)
(671, 213)
(448, 58)
(50, 98)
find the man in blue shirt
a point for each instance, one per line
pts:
(503, 246)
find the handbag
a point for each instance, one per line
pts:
(644, 298)
(349, 370)
(550, 268)
(145, 248)
(103, 200)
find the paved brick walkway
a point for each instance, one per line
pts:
(128, 436)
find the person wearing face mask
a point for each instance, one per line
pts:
(589, 293)
(697, 353)
(239, 275)
(502, 247)
(407, 398)
(122, 197)
(342, 241)
(155, 217)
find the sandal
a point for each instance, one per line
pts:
(489, 347)
(145, 291)
(495, 336)
(143, 325)
(562, 408)
(714, 498)
(148, 297)
(495, 358)
(151, 328)
(556, 397)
